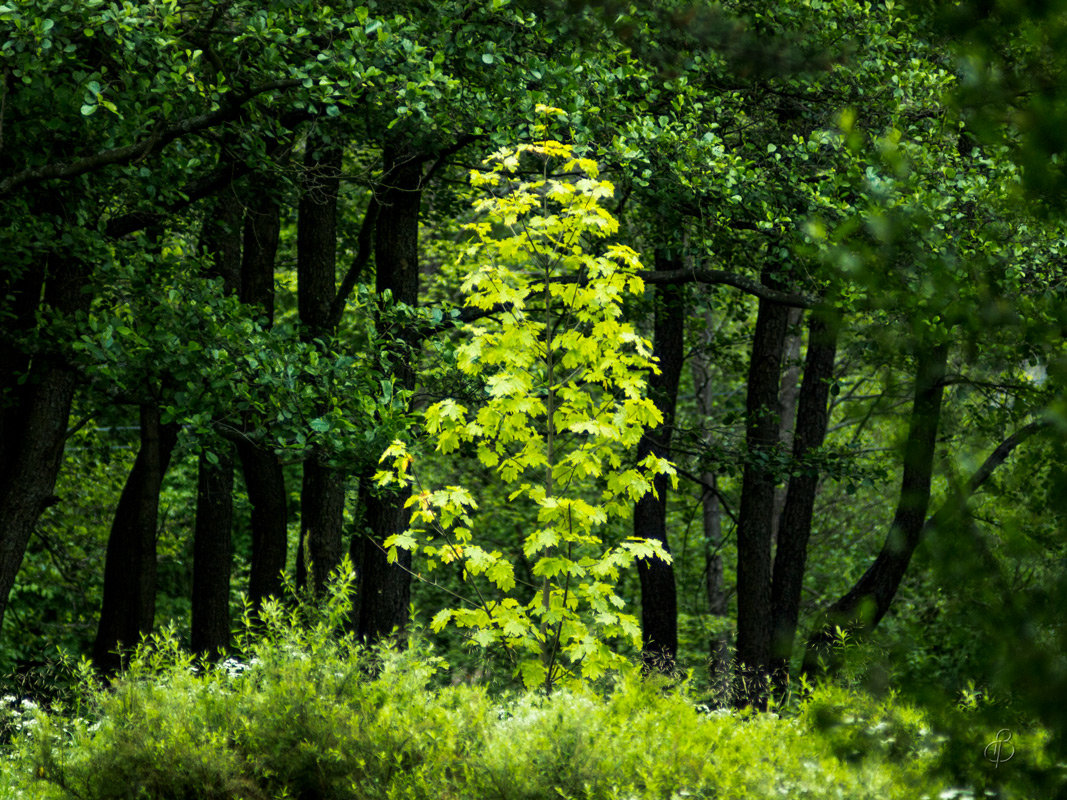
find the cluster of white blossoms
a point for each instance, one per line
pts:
(18, 715)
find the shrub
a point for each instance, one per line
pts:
(306, 713)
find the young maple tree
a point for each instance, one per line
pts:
(565, 381)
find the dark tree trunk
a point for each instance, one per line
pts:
(20, 296)
(755, 517)
(322, 498)
(711, 516)
(864, 605)
(659, 602)
(260, 466)
(129, 604)
(794, 529)
(35, 402)
(266, 492)
(212, 553)
(212, 548)
(260, 247)
(384, 588)
(788, 397)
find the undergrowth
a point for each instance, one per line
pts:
(302, 711)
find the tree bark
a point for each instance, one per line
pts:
(711, 517)
(35, 403)
(794, 530)
(788, 398)
(864, 605)
(659, 602)
(129, 603)
(260, 246)
(266, 492)
(212, 553)
(260, 466)
(322, 498)
(384, 588)
(757, 502)
(212, 532)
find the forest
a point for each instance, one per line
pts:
(605, 379)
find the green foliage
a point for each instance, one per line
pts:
(564, 380)
(306, 712)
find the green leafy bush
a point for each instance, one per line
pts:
(306, 712)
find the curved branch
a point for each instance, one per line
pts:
(132, 152)
(818, 655)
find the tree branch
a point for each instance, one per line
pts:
(717, 277)
(131, 152)
(722, 277)
(366, 242)
(955, 505)
(197, 190)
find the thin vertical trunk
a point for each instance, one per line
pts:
(864, 605)
(266, 493)
(129, 603)
(262, 227)
(659, 602)
(787, 404)
(790, 559)
(711, 517)
(757, 501)
(212, 553)
(20, 296)
(212, 532)
(259, 463)
(384, 588)
(322, 496)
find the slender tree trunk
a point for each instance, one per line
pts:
(790, 559)
(864, 605)
(266, 492)
(212, 553)
(20, 296)
(711, 517)
(384, 588)
(260, 466)
(129, 604)
(757, 502)
(659, 602)
(35, 403)
(212, 532)
(322, 498)
(787, 405)
(262, 227)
